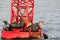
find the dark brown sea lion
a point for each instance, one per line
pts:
(6, 26)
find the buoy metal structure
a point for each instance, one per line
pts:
(21, 9)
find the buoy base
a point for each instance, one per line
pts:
(19, 34)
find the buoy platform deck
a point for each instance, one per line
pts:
(19, 34)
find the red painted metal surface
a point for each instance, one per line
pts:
(11, 34)
(15, 34)
(22, 9)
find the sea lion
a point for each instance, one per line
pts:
(6, 26)
(35, 27)
(19, 24)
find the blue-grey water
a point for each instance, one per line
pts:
(46, 10)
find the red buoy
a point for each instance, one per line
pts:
(21, 9)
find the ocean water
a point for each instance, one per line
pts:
(46, 10)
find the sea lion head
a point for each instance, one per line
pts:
(40, 23)
(4, 21)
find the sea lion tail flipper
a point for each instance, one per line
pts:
(45, 36)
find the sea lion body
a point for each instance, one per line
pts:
(33, 27)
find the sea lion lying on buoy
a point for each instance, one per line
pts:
(6, 26)
(35, 27)
(16, 24)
